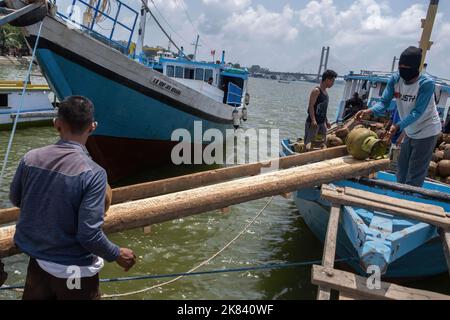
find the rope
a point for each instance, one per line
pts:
(198, 266)
(11, 138)
(270, 266)
(161, 27)
(168, 24)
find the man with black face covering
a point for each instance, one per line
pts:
(419, 117)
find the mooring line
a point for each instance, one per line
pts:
(22, 98)
(270, 266)
(198, 266)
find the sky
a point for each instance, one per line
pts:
(288, 35)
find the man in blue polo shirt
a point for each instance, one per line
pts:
(60, 191)
(419, 118)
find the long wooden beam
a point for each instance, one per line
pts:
(200, 179)
(357, 286)
(177, 205)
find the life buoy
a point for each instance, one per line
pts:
(31, 17)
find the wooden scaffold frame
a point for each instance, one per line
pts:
(353, 287)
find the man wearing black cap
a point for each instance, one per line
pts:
(419, 117)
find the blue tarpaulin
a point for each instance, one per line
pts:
(234, 96)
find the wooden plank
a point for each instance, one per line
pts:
(429, 194)
(201, 179)
(388, 206)
(357, 286)
(177, 205)
(406, 204)
(445, 237)
(329, 251)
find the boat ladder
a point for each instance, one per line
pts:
(353, 287)
(8, 15)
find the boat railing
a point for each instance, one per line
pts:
(109, 21)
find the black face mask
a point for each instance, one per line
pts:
(408, 73)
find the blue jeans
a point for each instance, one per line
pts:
(414, 160)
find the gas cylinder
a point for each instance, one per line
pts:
(363, 143)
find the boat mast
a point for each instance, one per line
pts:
(142, 22)
(427, 26)
(196, 46)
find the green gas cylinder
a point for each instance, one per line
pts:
(363, 143)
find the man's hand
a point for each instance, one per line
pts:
(314, 124)
(3, 274)
(328, 125)
(363, 113)
(126, 259)
(392, 131)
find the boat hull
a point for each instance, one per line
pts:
(426, 260)
(413, 250)
(137, 115)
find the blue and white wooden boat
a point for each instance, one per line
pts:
(37, 108)
(138, 103)
(370, 86)
(401, 248)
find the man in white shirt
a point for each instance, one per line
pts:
(413, 92)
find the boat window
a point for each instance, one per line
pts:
(188, 73)
(208, 74)
(170, 71)
(178, 72)
(3, 100)
(199, 73)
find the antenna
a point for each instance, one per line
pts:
(196, 46)
(170, 43)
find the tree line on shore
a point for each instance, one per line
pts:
(12, 41)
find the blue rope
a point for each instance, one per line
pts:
(8, 150)
(271, 266)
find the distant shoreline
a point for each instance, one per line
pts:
(14, 61)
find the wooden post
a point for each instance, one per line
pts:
(225, 210)
(329, 250)
(147, 229)
(445, 237)
(200, 179)
(177, 205)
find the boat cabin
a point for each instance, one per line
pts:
(370, 86)
(215, 80)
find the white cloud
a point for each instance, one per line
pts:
(365, 34)
(229, 4)
(261, 24)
